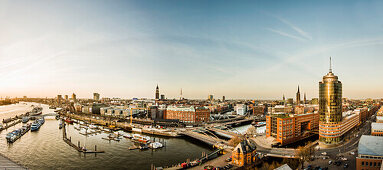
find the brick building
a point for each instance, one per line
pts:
(244, 153)
(188, 114)
(377, 129)
(370, 153)
(290, 128)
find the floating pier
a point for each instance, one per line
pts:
(78, 146)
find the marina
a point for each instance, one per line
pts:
(48, 140)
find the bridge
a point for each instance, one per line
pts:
(237, 122)
(224, 133)
(210, 140)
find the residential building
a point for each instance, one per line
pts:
(370, 153)
(259, 110)
(74, 98)
(280, 109)
(59, 98)
(162, 97)
(240, 109)
(96, 96)
(244, 153)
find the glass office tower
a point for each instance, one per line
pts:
(330, 109)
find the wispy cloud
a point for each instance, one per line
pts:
(296, 28)
(286, 34)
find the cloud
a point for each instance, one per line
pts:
(296, 28)
(286, 34)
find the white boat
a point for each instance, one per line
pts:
(93, 126)
(142, 139)
(128, 136)
(155, 145)
(136, 130)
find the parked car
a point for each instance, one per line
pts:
(344, 159)
(329, 162)
(345, 166)
(324, 153)
(228, 159)
(352, 153)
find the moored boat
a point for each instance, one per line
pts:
(142, 139)
(68, 120)
(155, 145)
(25, 119)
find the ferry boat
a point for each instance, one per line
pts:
(16, 134)
(142, 139)
(36, 111)
(37, 124)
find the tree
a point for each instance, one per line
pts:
(251, 131)
(235, 141)
(305, 153)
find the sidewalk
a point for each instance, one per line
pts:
(263, 141)
(6, 163)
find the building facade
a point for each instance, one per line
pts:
(290, 128)
(377, 129)
(330, 109)
(188, 114)
(96, 96)
(244, 153)
(370, 153)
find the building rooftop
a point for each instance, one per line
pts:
(283, 167)
(377, 126)
(371, 145)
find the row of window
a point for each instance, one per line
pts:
(371, 164)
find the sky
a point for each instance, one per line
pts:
(238, 49)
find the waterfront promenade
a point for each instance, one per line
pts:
(7, 164)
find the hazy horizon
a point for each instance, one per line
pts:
(248, 50)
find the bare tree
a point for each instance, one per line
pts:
(305, 153)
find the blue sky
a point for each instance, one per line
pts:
(240, 49)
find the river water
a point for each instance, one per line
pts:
(45, 149)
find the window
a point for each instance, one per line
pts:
(362, 163)
(374, 164)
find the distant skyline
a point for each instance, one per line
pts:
(246, 50)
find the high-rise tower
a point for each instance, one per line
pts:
(298, 97)
(157, 93)
(330, 109)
